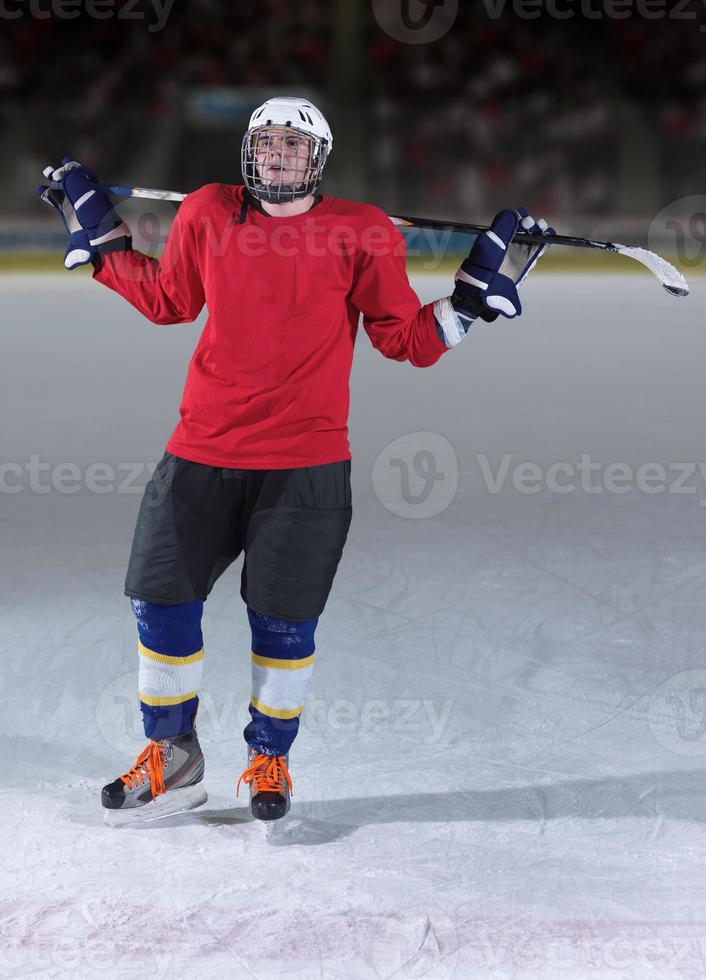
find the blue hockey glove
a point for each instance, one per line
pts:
(93, 225)
(486, 283)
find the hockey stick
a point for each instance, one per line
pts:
(666, 274)
(669, 277)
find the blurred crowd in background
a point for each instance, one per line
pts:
(586, 117)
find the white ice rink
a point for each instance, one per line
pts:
(501, 772)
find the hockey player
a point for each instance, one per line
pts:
(260, 462)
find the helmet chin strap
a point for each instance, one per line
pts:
(257, 204)
(282, 195)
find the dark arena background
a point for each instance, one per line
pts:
(501, 765)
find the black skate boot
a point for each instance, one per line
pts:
(270, 785)
(166, 778)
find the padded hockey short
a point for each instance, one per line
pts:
(195, 520)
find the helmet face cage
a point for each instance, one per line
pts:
(282, 163)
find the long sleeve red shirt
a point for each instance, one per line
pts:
(268, 383)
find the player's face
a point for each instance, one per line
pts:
(282, 156)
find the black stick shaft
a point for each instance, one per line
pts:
(526, 239)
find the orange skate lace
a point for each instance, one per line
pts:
(151, 762)
(267, 773)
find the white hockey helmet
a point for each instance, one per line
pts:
(284, 150)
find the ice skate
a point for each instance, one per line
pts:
(270, 785)
(166, 778)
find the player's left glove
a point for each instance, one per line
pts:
(93, 225)
(486, 283)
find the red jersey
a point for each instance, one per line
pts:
(268, 383)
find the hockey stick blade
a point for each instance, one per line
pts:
(667, 275)
(672, 280)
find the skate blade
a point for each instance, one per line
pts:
(174, 801)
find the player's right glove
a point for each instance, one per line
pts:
(486, 284)
(93, 225)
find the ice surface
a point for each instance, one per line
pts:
(500, 773)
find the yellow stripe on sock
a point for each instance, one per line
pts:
(155, 702)
(163, 658)
(275, 664)
(275, 712)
